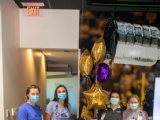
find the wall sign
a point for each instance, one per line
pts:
(33, 11)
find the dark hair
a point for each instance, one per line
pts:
(115, 91)
(56, 96)
(31, 87)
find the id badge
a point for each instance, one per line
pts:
(140, 117)
(57, 114)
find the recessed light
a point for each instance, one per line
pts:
(41, 4)
(49, 53)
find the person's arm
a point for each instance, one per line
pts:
(22, 114)
(100, 112)
(49, 111)
(145, 115)
(42, 114)
(47, 116)
(107, 61)
(124, 116)
(122, 109)
(42, 117)
(69, 111)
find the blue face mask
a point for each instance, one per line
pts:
(62, 96)
(34, 99)
(133, 106)
(114, 101)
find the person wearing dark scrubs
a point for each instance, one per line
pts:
(113, 109)
(59, 108)
(148, 102)
(30, 110)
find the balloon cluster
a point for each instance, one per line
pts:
(97, 55)
(95, 97)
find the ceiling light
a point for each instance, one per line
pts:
(41, 4)
(49, 53)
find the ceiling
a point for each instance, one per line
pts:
(83, 5)
(62, 58)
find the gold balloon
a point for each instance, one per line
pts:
(83, 100)
(107, 100)
(92, 88)
(98, 50)
(96, 98)
(86, 113)
(85, 63)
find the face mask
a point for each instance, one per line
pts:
(62, 96)
(114, 101)
(133, 106)
(34, 99)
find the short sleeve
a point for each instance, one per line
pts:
(69, 105)
(145, 115)
(100, 112)
(124, 116)
(22, 113)
(49, 109)
(122, 110)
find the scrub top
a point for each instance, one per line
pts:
(29, 112)
(109, 114)
(137, 115)
(58, 112)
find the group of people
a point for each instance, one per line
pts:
(114, 111)
(58, 109)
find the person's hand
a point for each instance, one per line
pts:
(107, 61)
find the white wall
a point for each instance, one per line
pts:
(1, 74)
(18, 67)
(33, 71)
(9, 40)
(58, 29)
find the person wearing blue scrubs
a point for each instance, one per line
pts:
(30, 110)
(59, 108)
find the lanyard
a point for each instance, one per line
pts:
(57, 113)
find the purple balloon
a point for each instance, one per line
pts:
(102, 72)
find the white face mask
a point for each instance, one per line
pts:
(133, 106)
(114, 101)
